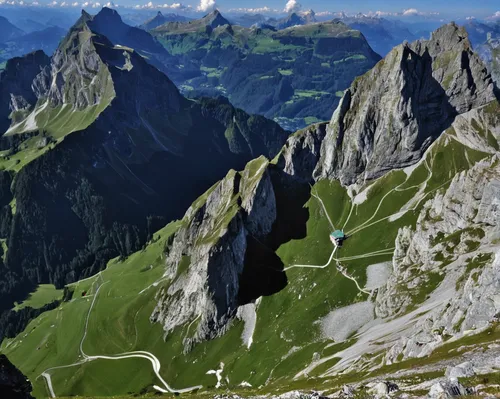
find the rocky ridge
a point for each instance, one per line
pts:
(390, 116)
(206, 259)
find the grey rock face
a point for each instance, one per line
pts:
(213, 239)
(462, 370)
(16, 92)
(79, 77)
(470, 275)
(301, 153)
(447, 389)
(390, 115)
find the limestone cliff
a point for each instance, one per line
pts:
(390, 115)
(207, 257)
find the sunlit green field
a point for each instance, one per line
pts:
(287, 333)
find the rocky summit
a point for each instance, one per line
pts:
(383, 126)
(159, 245)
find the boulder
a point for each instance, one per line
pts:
(462, 370)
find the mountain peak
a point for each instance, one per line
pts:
(410, 98)
(110, 14)
(450, 35)
(215, 19)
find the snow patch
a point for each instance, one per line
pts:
(248, 314)
(218, 374)
(339, 324)
(361, 197)
(409, 169)
(377, 275)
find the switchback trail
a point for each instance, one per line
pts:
(127, 355)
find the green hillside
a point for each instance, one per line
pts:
(118, 302)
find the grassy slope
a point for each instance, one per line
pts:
(286, 335)
(44, 294)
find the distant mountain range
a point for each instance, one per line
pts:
(295, 75)
(46, 39)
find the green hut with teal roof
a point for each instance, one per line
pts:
(337, 237)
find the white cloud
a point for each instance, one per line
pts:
(173, 6)
(495, 16)
(411, 11)
(292, 6)
(254, 10)
(206, 5)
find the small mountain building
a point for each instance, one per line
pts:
(337, 237)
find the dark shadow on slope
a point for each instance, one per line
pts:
(430, 106)
(292, 215)
(263, 273)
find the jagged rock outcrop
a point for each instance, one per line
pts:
(79, 77)
(390, 115)
(13, 384)
(452, 239)
(208, 254)
(16, 95)
(301, 153)
(386, 120)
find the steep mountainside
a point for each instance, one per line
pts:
(101, 149)
(108, 22)
(249, 292)
(382, 127)
(295, 76)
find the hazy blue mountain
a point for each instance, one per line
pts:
(8, 30)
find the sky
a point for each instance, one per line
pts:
(446, 9)
(459, 8)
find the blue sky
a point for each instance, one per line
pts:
(488, 6)
(435, 9)
(446, 8)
